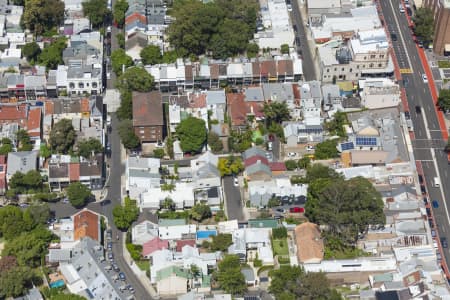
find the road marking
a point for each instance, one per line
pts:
(433, 153)
(406, 71)
(425, 160)
(400, 32)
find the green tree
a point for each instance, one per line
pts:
(291, 164)
(96, 11)
(444, 100)
(120, 8)
(200, 211)
(192, 134)
(284, 49)
(169, 147)
(276, 112)
(135, 79)
(125, 110)
(252, 50)
(158, 153)
(78, 194)
(42, 15)
(336, 126)
(290, 282)
(6, 146)
(424, 24)
(279, 233)
(17, 281)
(51, 55)
(169, 57)
(230, 166)
(64, 296)
(31, 52)
(168, 204)
(229, 276)
(120, 59)
(62, 137)
(214, 142)
(7, 263)
(12, 222)
(347, 207)
(304, 162)
(327, 149)
(29, 247)
(31, 181)
(39, 212)
(125, 215)
(319, 171)
(274, 201)
(127, 135)
(151, 55)
(221, 242)
(87, 147)
(240, 141)
(23, 140)
(44, 151)
(120, 40)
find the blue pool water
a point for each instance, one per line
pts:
(57, 284)
(204, 234)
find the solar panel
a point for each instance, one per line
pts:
(347, 146)
(366, 141)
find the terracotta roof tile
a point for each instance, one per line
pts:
(214, 70)
(136, 16)
(181, 243)
(310, 247)
(256, 68)
(85, 105)
(239, 108)
(268, 68)
(285, 67)
(277, 166)
(147, 109)
(153, 245)
(14, 113)
(49, 107)
(253, 159)
(34, 122)
(86, 223)
(74, 172)
(197, 100)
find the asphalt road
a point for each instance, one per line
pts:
(233, 199)
(309, 70)
(418, 94)
(117, 168)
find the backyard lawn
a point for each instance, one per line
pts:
(280, 247)
(443, 64)
(144, 265)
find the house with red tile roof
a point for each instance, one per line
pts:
(148, 120)
(256, 164)
(240, 110)
(14, 114)
(153, 245)
(86, 223)
(34, 123)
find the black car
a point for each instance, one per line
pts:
(420, 179)
(430, 221)
(428, 212)
(393, 37)
(295, 27)
(425, 200)
(297, 41)
(418, 109)
(444, 242)
(407, 115)
(423, 189)
(105, 202)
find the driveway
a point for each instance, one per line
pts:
(233, 200)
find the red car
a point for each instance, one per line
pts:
(300, 210)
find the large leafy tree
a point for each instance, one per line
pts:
(200, 211)
(120, 8)
(151, 55)
(62, 137)
(120, 59)
(21, 183)
(13, 222)
(125, 215)
(291, 282)
(326, 150)
(220, 27)
(230, 165)
(42, 15)
(424, 24)
(89, 146)
(96, 11)
(51, 55)
(347, 207)
(31, 51)
(192, 134)
(6, 146)
(221, 242)
(135, 79)
(23, 140)
(214, 142)
(276, 112)
(444, 100)
(29, 247)
(229, 276)
(125, 110)
(127, 135)
(16, 281)
(78, 194)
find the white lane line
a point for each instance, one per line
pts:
(401, 35)
(427, 132)
(440, 186)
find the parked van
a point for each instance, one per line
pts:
(437, 182)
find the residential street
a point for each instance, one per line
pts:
(426, 125)
(233, 200)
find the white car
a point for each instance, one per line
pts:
(424, 78)
(402, 10)
(236, 181)
(289, 7)
(309, 148)
(292, 154)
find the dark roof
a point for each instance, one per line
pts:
(285, 67)
(93, 167)
(147, 109)
(213, 192)
(58, 170)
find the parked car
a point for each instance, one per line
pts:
(236, 181)
(423, 189)
(115, 267)
(109, 245)
(292, 154)
(122, 276)
(428, 212)
(110, 256)
(296, 209)
(444, 242)
(424, 78)
(433, 233)
(280, 210)
(435, 204)
(425, 200)
(105, 202)
(430, 221)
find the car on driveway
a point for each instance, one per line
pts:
(435, 204)
(444, 242)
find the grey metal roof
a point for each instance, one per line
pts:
(254, 93)
(22, 161)
(59, 255)
(278, 92)
(252, 152)
(258, 167)
(215, 97)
